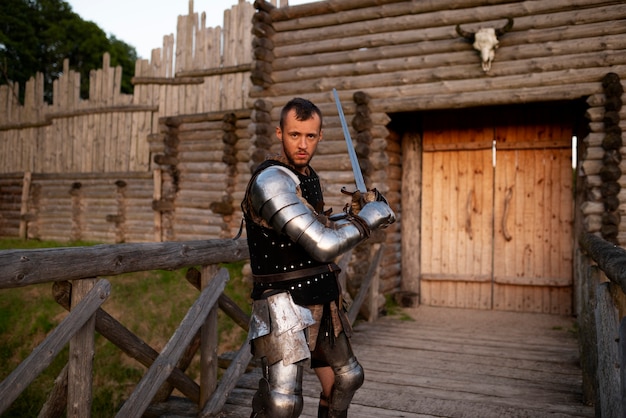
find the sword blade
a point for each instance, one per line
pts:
(356, 168)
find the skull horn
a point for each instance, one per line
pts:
(465, 34)
(504, 29)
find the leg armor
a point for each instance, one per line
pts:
(280, 392)
(349, 374)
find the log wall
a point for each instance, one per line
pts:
(602, 163)
(204, 163)
(107, 207)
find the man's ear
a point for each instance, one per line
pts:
(279, 133)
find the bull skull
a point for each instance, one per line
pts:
(485, 41)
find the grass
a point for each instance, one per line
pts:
(393, 310)
(151, 304)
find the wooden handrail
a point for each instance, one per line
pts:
(26, 267)
(603, 358)
(610, 258)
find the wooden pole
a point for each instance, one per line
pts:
(80, 364)
(24, 204)
(208, 343)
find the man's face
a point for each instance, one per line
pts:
(300, 139)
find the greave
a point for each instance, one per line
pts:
(280, 392)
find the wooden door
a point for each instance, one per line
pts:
(497, 236)
(533, 213)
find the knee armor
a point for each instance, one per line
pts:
(348, 379)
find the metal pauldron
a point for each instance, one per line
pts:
(275, 198)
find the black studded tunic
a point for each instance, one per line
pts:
(273, 253)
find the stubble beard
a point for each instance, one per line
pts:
(301, 165)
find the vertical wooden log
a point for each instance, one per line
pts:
(608, 376)
(156, 196)
(587, 340)
(411, 212)
(82, 348)
(208, 344)
(24, 204)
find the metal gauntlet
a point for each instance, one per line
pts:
(377, 215)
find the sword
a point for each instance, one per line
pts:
(356, 169)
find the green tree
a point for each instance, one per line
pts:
(37, 35)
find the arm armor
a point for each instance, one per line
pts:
(274, 197)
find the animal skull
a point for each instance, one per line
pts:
(485, 41)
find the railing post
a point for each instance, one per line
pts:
(606, 323)
(80, 363)
(208, 343)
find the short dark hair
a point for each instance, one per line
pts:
(304, 110)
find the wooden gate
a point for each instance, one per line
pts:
(497, 209)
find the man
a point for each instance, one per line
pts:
(297, 311)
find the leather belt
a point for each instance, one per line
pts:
(295, 274)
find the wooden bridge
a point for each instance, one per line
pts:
(425, 362)
(446, 362)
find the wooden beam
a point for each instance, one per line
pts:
(208, 72)
(26, 267)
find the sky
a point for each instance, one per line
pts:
(143, 23)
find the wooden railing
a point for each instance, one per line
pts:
(74, 273)
(602, 325)
(84, 296)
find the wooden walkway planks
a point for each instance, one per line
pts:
(448, 362)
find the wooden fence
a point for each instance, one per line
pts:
(79, 291)
(205, 70)
(602, 323)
